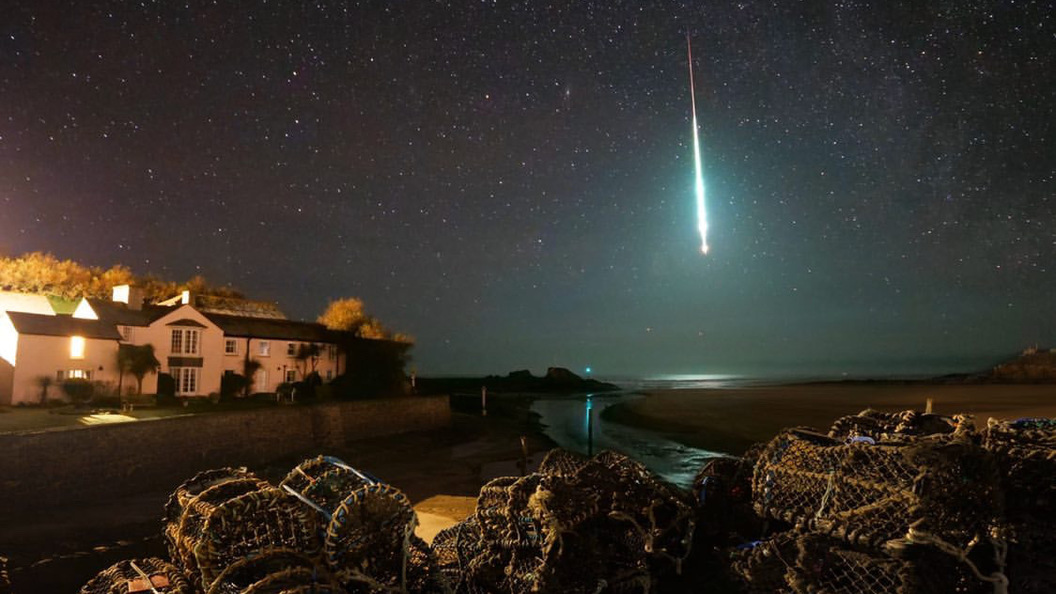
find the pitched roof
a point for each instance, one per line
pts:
(272, 329)
(38, 304)
(27, 323)
(119, 313)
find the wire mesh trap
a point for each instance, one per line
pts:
(250, 524)
(149, 576)
(275, 570)
(192, 503)
(1025, 451)
(722, 492)
(868, 494)
(879, 426)
(601, 524)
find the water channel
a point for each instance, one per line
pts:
(575, 423)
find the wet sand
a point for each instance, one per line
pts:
(730, 420)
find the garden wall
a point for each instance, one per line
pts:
(66, 466)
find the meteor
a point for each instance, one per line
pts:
(702, 213)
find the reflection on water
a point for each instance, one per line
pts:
(575, 423)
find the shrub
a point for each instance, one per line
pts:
(166, 390)
(231, 385)
(79, 391)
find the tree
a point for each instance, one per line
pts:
(137, 360)
(348, 315)
(308, 354)
(249, 371)
(345, 315)
(45, 382)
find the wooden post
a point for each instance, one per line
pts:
(927, 407)
(484, 400)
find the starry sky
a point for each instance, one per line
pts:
(511, 182)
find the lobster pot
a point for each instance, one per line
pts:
(456, 548)
(139, 575)
(722, 491)
(370, 534)
(885, 426)
(599, 524)
(192, 488)
(251, 524)
(559, 462)
(192, 503)
(274, 570)
(1026, 456)
(868, 494)
(760, 567)
(325, 481)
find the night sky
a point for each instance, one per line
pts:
(512, 182)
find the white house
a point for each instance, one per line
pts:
(35, 346)
(195, 341)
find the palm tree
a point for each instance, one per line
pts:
(137, 360)
(308, 354)
(249, 370)
(45, 382)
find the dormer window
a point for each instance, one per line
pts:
(76, 347)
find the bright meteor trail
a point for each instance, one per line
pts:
(702, 213)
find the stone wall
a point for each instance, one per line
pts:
(63, 467)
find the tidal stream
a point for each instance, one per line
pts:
(575, 423)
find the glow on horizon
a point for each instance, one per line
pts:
(702, 213)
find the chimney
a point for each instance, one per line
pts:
(129, 295)
(185, 298)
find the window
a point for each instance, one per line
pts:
(291, 349)
(331, 351)
(186, 380)
(291, 376)
(63, 375)
(126, 333)
(76, 347)
(329, 374)
(230, 346)
(185, 341)
(265, 348)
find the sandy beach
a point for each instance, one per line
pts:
(729, 420)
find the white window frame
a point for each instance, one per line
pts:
(264, 348)
(186, 341)
(291, 349)
(291, 376)
(188, 380)
(230, 342)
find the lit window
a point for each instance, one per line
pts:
(76, 347)
(265, 348)
(230, 346)
(291, 376)
(84, 374)
(291, 349)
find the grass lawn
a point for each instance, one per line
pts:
(35, 418)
